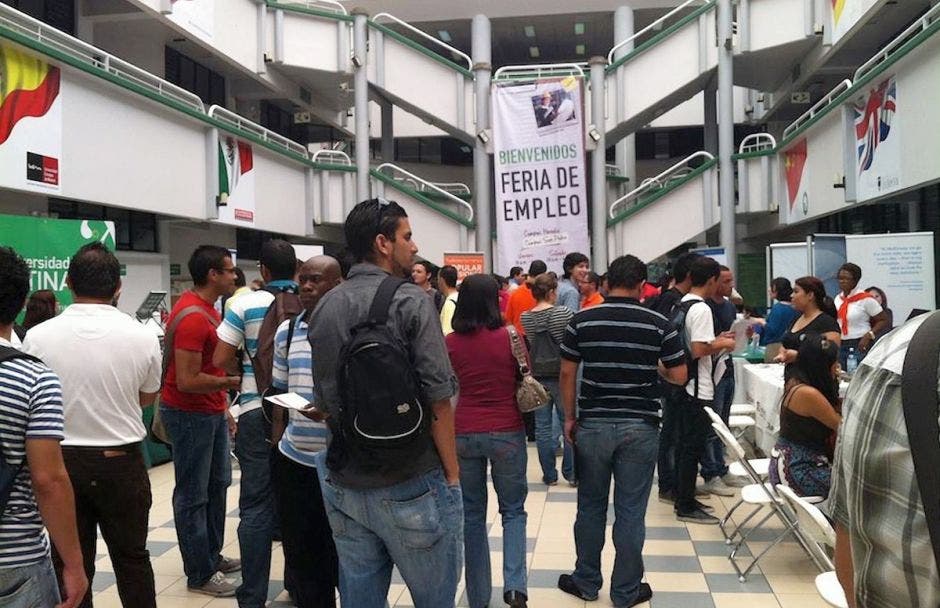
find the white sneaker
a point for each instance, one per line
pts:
(216, 586)
(716, 486)
(735, 481)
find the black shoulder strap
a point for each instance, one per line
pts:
(919, 394)
(8, 353)
(378, 313)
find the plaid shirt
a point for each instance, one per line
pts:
(874, 493)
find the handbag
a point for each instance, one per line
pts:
(530, 394)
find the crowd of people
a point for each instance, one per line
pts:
(370, 407)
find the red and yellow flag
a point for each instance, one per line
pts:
(837, 8)
(794, 161)
(28, 87)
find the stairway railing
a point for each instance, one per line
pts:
(680, 170)
(455, 52)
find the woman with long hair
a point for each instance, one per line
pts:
(817, 315)
(41, 306)
(544, 328)
(809, 414)
(490, 431)
(781, 315)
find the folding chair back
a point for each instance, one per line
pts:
(811, 520)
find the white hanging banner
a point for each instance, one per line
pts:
(236, 182)
(541, 198)
(878, 140)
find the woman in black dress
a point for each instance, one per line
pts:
(817, 315)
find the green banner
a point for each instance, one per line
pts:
(48, 245)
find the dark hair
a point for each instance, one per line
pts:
(14, 284)
(40, 306)
(815, 286)
(593, 277)
(240, 280)
(448, 274)
(346, 261)
(724, 268)
(781, 286)
(204, 259)
(94, 272)
(537, 267)
(501, 280)
(369, 219)
(816, 356)
(515, 271)
(702, 269)
(478, 304)
(884, 296)
(279, 257)
(428, 267)
(853, 269)
(543, 284)
(626, 272)
(572, 260)
(680, 270)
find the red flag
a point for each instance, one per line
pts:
(794, 161)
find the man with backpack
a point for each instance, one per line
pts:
(249, 326)
(623, 349)
(695, 322)
(34, 486)
(382, 376)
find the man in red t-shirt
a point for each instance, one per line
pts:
(521, 299)
(194, 409)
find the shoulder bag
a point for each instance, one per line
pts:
(530, 394)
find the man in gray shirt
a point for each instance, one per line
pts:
(576, 266)
(407, 514)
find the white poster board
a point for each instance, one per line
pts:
(877, 122)
(902, 265)
(788, 260)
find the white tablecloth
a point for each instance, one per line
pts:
(762, 385)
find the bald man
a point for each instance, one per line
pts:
(309, 553)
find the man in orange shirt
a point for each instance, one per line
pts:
(522, 299)
(591, 291)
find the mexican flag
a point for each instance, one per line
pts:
(236, 182)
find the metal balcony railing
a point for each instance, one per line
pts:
(678, 171)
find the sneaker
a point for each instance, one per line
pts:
(516, 599)
(553, 482)
(573, 483)
(567, 584)
(716, 486)
(704, 506)
(700, 491)
(735, 481)
(667, 497)
(697, 516)
(216, 586)
(644, 595)
(228, 565)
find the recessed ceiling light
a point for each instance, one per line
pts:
(579, 49)
(529, 31)
(444, 35)
(534, 52)
(579, 29)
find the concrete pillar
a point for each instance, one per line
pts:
(726, 133)
(598, 170)
(625, 150)
(361, 98)
(481, 50)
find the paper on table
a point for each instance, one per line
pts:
(291, 401)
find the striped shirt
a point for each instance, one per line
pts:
(240, 328)
(556, 317)
(293, 371)
(618, 344)
(875, 495)
(30, 408)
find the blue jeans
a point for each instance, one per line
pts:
(626, 450)
(506, 454)
(416, 525)
(548, 430)
(29, 586)
(713, 460)
(203, 469)
(255, 508)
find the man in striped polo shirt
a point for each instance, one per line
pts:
(623, 348)
(239, 330)
(309, 553)
(30, 432)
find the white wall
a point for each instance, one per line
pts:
(138, 42)
(279, 193)
(144, 272)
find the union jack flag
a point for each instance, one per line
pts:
(873, 121)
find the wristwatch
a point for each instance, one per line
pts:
(871, 335)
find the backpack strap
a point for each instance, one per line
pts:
(919, 395)
(171, 333)
(8, 353)
(378, 312)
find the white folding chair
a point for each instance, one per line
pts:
(819, 534)
(743, 409)
(760, 465)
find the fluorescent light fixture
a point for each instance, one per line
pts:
(579, 29)
(444, 35)
(534, 52)
(579, 49)
(529, 31)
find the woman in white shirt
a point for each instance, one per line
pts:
(860, 316)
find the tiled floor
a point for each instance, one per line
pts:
(687, 565)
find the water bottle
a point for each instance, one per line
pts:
(851, 362)
(755, 344)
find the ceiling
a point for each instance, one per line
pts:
(436, 10)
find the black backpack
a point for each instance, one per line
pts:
(286, 305)
(8, 472)
(677, 318)
(383, 421)
(544, 352)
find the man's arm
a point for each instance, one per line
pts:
(226, 357)
(845, 569)
(147, 398)
(191, 379)
(442, 431)
(678, 375)
(706, 349)
(566, 382)
(53, 492)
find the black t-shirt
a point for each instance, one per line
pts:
(665, 302)
(820, 325)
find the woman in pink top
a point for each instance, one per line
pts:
(489, 430)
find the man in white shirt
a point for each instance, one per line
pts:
(693, 423)
(447, 281)
(110, 368)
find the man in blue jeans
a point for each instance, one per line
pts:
(622, 348)
(407, 514)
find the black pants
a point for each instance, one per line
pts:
(309, 553)
(112, 492)
(692, 425)
(674, 398)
